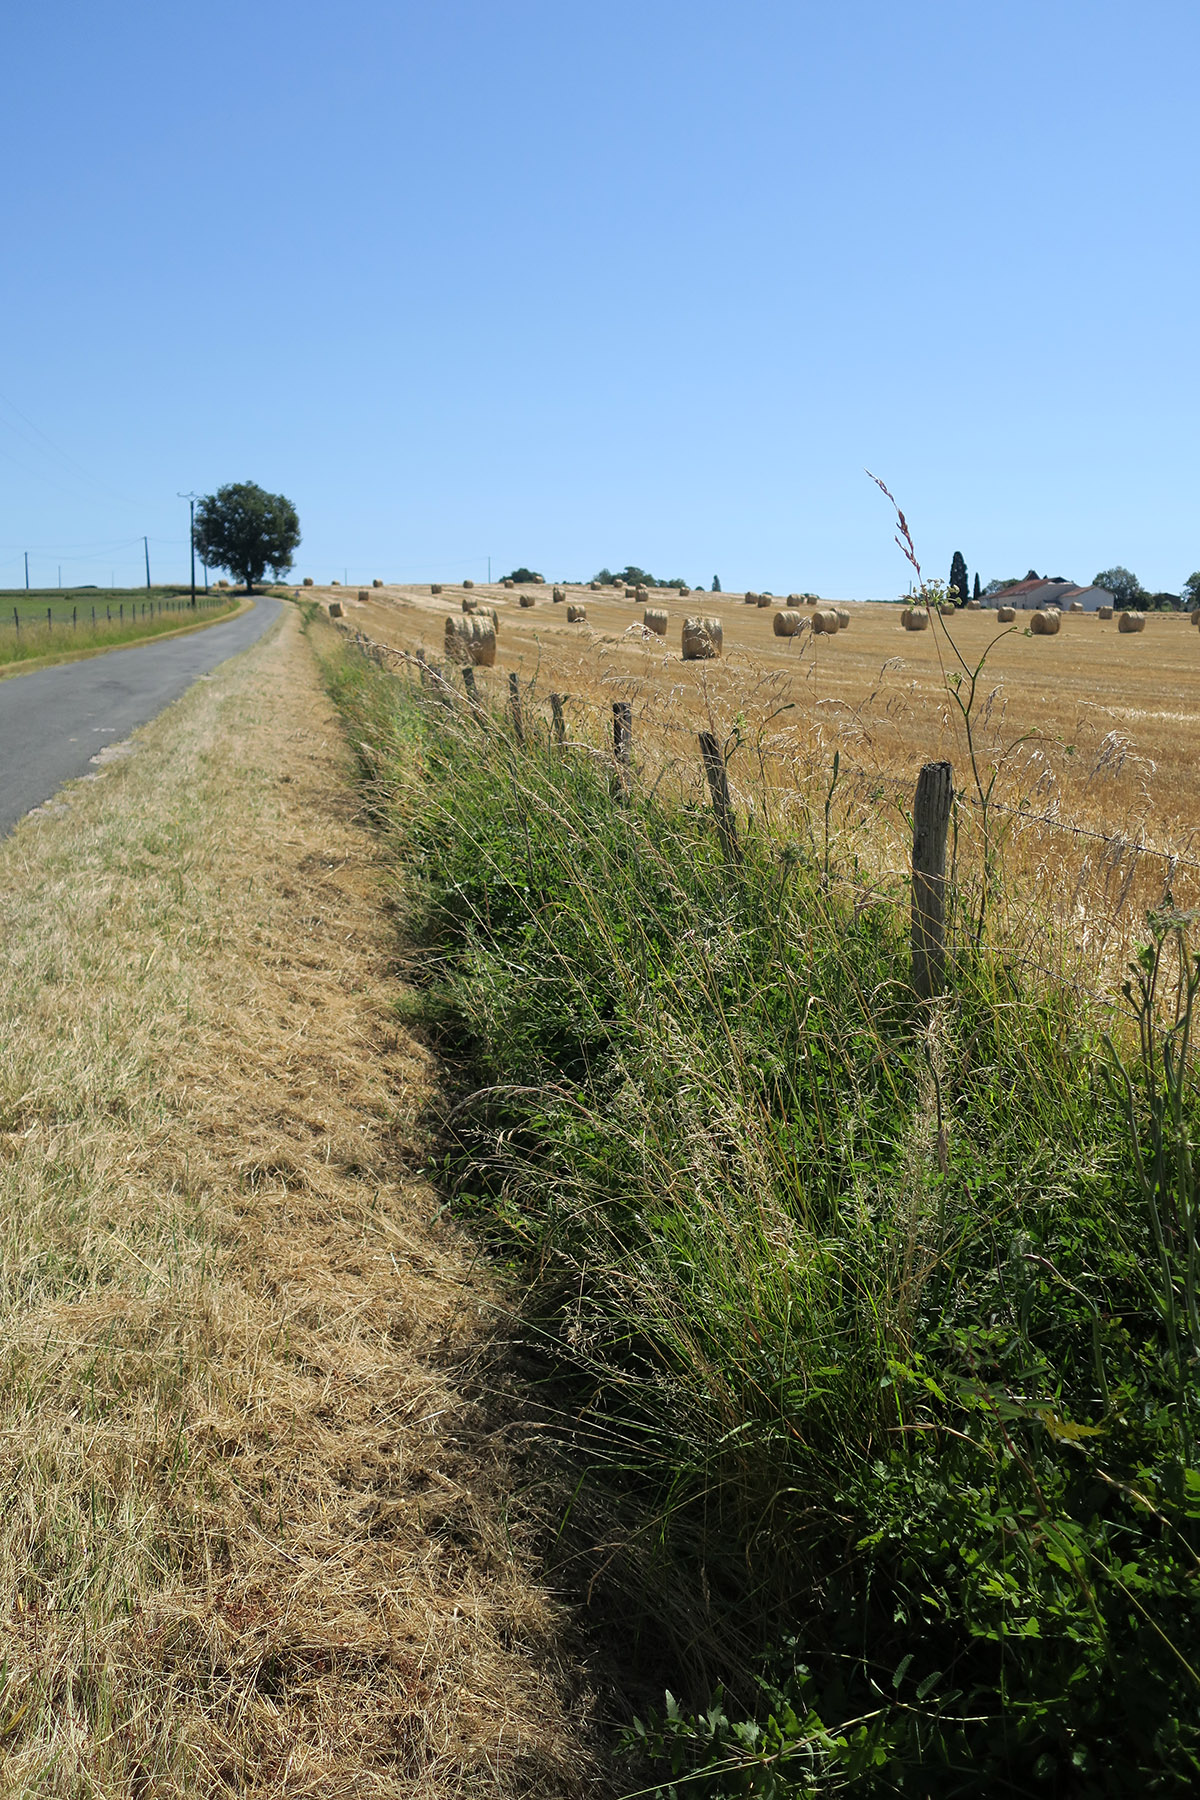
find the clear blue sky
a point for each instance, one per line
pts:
(568, 283)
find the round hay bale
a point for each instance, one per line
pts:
(788, 622)
(435, 587)
(702, 639)
(469, 605)
(682, 591)
(843, 618)
(1131, 621)
(1006, 614)
(559, 595)
(335, 609)
(766, 599)
(749, 599)
(1194, 615)
(471, 641)
(1045, 623)
(468, 584)
(332, 584)
(576, 615)
(1104, 612)
(528, 599)
(974, 606)
(826, 622)
(308, 581)
(915, 618)
(225, 584)
(363, 594)
(655, 618)
(1077, 606)
(641, 594)
(377, 582)
(508, 584)
(593, 587)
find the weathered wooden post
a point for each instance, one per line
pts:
(514, 707)
(931, 822)
(560, 722)
(718, 787)
(469, 683)
(622, 749)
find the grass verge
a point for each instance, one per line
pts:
(258, 1533)
(873, 1329)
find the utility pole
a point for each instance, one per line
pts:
(489, 571)
(27, 571)
(60, 574)
(146, 548)
(191, 500)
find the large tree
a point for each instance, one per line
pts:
(244, 529)
(1191, 592)
(1124, 586)
(958, 578)
(975, 595)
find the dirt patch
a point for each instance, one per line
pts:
(257, 1535)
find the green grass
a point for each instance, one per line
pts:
(55, 622)
(871, 1330)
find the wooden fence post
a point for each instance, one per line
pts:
(469, 683)
(560, 723)
(623, 732)
(931, 822)
(718, 787)
(514, 707)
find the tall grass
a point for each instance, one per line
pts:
(870, 1325)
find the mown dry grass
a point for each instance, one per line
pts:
(258, 1533)
(1098, 792)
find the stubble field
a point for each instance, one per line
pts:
(1095, 804)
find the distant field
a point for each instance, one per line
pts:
(1092, 730)
(36, 623)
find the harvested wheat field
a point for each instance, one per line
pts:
(1096, 802)
(258, 1533)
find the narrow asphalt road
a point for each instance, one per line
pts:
(53, 721)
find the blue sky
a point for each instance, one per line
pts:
(572, 283)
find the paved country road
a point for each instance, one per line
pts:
(53, 721)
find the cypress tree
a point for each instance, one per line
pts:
(975, 595)
(958, 578)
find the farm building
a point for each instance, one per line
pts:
(1028, 596)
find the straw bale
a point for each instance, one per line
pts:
(641, 594)
(1046, 622)
(594, 587)
(703, 638)
(468, 584)
(1077, 606)
(576, 615)
(225, 584)
(508, 584)
(335, 609)
(749, 599)
(974, 606)
(558, 595)
(469, 605)
(435, 587)
(363, 594)
(308, 581)
(1006, 614)
(377, 582)
(915, 618)
(1195, 614)
(826, 622)
(471, 641)
(655, 618)
(843, 617)
(788, 622)
(528, 599)
(1104, 612)
(766, 599)
(1131, 621)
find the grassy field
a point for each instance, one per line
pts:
(37, 625)
(261, 1531)
(1090, 733)
(868, 1328)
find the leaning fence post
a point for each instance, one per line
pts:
(560, 722)
(931, 822)
(718, 787)
(514, 707)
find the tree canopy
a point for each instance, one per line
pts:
(244, 529)
(958, 584)
(1121, 583)
(524, 576)
(1191, 591)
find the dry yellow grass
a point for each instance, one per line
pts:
(1092, 733)
(257, 1533)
